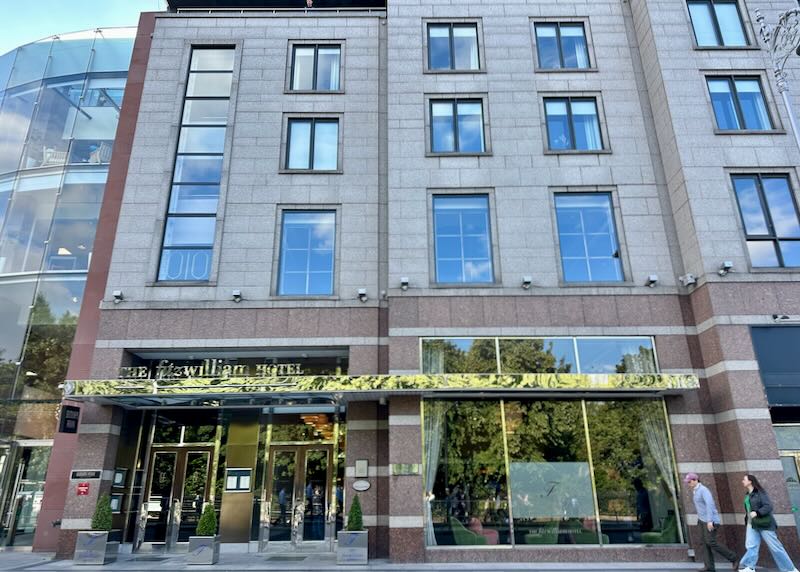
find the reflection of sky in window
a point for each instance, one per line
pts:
(326, 138)
(598, 355)
(470, 127)
(751, 101)
(547, 46)
(307, 253)
(750, 205)
(781, 207)
(63, 296)
(722, 102)
(443, 127)
(439, 46)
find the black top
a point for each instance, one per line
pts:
(270, 4)
(762, 505)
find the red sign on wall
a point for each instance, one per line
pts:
(82, 489)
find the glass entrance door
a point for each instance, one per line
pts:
(177, 490)
(299, 490)
(791, 475)
(27, 485)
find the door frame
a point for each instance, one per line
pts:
(178, 487)
(301, 450)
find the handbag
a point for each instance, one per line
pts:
(761, 522)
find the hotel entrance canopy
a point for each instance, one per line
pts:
(261, 391)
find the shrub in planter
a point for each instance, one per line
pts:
(204, 547)
(353, 545)
(93, 547)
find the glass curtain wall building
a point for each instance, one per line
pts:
(59, 108)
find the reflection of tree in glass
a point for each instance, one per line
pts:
(445, 356)
(48, 346)
(530, 356)
(472, 462)
(621, 455)
(641, 362)
(196, 475)
(545, 431)
(163, 473)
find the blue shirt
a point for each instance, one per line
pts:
(704, 504)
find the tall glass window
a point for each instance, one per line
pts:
(770, 219)
(457, 126)
(315, 68)
(717, 23)
(192, 212)
(572, 124)
(313, 144)
(561, 45)
(453, 47)
(569, 472)
(307, 253)
(463, 246)
(587, 238)
(739, 103)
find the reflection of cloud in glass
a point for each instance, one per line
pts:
(477, 270)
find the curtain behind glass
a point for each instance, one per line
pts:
(586, 125)
(434, 423)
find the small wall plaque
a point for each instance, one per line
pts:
(362, 469)
(405, 469)
(361, 486)
(77, 475)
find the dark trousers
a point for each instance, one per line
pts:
(711, 545)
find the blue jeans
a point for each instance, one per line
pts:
(752, 543)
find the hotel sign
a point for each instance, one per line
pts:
(181, 385)
(215, 368)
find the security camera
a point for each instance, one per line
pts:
(652, 280)
(118, 297)
(404, 283)
(725, 268)
(236, 296)
(688, 279)
(362, 294)
(526, 282)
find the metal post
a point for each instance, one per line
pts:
(782, 40)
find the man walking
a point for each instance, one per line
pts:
(708, 521)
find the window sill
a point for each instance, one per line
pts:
(277, 298)
(178, 283)
(451, 72)
(614, 284)
(309, 172)
(457, 285)
(313, 92)
(775, 270)
(577, 152)
(749, 47)
(749, 132)
(566, 70)
(435, 154)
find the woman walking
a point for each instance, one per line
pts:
(761, 524)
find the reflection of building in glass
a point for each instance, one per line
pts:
(60, 101)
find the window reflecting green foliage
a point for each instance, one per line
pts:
(551, 482)
(546, 462)
(167, 433)
(469, 489)
(537, 355)
(199, 433)
(459, 356)
(633, 470)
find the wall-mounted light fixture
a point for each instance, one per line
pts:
(404, 283)
(652, 280)
(688, 279)
(725, 268)
(236, 296)
(526, 282)
(118, 297)
(362, 294)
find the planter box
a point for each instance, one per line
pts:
(203, 550)
(94, 548)
(353, 547)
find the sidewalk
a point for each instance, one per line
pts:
(26, 561)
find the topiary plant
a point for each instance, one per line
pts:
(102, 514)
(355, 520)
(207, 525)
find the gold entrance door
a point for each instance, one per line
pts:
(299, 491)
(178, 487)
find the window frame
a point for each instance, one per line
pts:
(167, 216)
(277, 258)
(587, 37)
(743, 20)
(481, 98)
(494, 250)
(477, 22)
(772, 236)
(286, 142)
(316, 44)
(766, 94)
(570, 97)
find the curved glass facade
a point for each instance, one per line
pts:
(60, 102)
